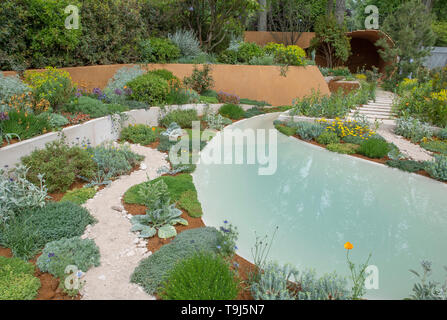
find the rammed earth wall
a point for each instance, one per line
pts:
(263, 83)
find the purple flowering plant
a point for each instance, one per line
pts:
(228, 236)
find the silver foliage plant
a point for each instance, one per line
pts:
(161, 216)
(273, 283)
(187, 42)
(120, 79)
(413, 129)
(10, 86)
(17, 193)
(330, 286)
(428, 289)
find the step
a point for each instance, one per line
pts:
(381, 102)
(376, 107)
(365, 108)
(370, 117)
(373, 111)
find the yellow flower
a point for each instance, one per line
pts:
(348, 245)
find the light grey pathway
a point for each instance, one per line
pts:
(121, 250)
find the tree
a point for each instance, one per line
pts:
(410, 29)
(340, 9)
(214, 20)
(330, 41)
(262, 16)
(291, 18)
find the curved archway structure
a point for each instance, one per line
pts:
(365, 53)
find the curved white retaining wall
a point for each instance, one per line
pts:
(96, 131)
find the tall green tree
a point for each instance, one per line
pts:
(214, 20)
(410, 28)
(330, 41)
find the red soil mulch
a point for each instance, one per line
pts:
(12, 141)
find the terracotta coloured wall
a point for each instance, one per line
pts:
(262, 83)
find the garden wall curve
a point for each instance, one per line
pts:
(96, 131)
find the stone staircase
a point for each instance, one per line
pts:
(380, 109)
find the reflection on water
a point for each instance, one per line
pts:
(320, 200)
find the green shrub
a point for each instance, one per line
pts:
(413, 129)
(328, 137)
(25, 125)
(374, 148)
(140, 134)
(114, 160)
(209, 100)
(165, 144)
(204, 276)
(57, 255)
(55, 120)
(181, 190)
(247, 51)
(288, 131)
(202, 58)
(153, 270)
(188, 201)
(435, 146)
(266, 60)
(17, 281)
(93, 107)
(79, 196)
(29, 233)
(442, 134)
(183, 118)
(255, 111)
(149, 88)
(253, 102)
(308, 130)
(228, 56)
(60, 165)
(52, 85)
(345, 148)
(353, 139)
(164, 74)
(406, 165)
(158, 50)
(438, 167)
(200, 80)
(291, 55)
(232, 111)
(335, 105)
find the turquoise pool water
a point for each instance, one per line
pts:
(319, 200)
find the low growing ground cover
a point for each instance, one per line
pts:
(153, 270)
(356, 138)
(338, 104)
(181, 190)
(17, 280)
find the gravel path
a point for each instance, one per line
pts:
(410, 150)
(121, 251)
